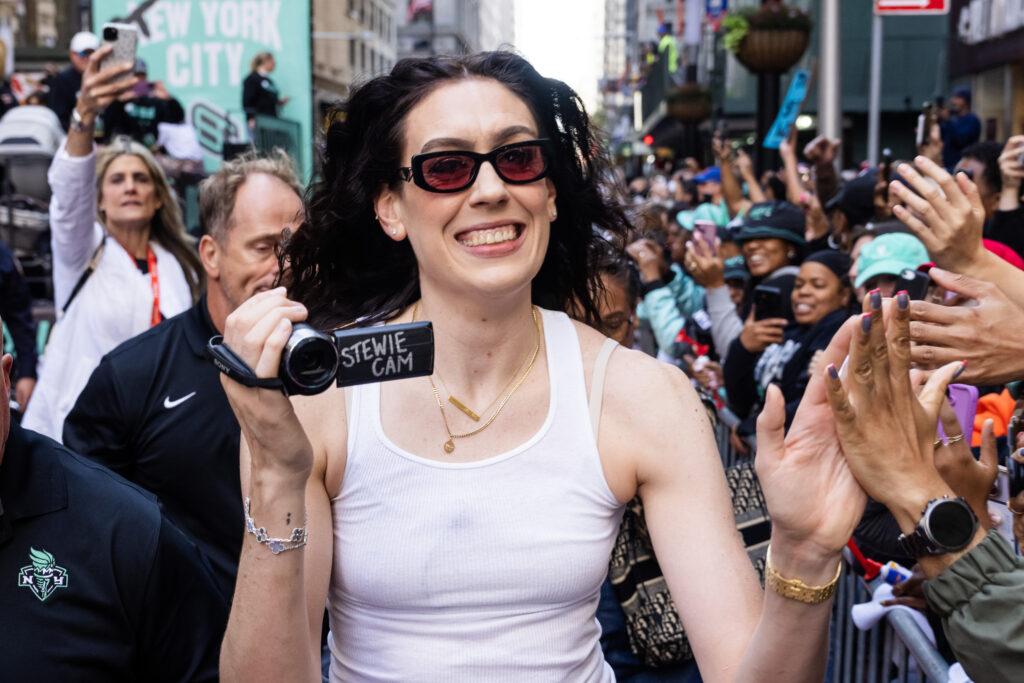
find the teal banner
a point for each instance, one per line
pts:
(202, 50)
(789, 110)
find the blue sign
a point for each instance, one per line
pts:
(789, 110)
(716, 8)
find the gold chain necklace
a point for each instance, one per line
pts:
(449, 445)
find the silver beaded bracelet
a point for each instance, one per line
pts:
(277, 545)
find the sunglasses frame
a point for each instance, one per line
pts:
(414, 172)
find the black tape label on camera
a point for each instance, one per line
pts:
(385, 353)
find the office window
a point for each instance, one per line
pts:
(362, 56)
(352, 54)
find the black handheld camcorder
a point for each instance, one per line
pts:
(312, 360)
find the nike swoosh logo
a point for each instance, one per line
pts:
(168, 403)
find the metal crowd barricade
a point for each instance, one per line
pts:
(896, 649)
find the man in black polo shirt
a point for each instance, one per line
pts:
(96, 585)
(154, 410)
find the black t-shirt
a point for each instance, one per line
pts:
(154, 412)
(64, 89)
(259, 95)
(96, 584)
(140, 117)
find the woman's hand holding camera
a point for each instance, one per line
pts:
(100, 87)
(257, 331)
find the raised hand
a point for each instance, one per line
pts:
(649, 257)
(946, 214)
(811, 493)
(821, 150)
(100, 87)
(944, 334)
(969, 478)
(706, 266)
(888, 432)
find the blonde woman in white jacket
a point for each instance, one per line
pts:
(122, 261)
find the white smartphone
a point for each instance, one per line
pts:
(125, 40)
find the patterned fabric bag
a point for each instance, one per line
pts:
(655, 631)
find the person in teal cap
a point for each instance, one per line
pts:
(883, 259)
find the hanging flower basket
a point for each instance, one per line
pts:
(768, 39)
(765, 51)
(689, 103)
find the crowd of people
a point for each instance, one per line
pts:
(592, 334)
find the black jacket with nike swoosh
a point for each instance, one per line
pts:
(154, 412)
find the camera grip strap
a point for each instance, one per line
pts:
(228, 362)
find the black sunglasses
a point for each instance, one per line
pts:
(518, 164)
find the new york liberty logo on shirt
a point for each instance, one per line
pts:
(43, 576)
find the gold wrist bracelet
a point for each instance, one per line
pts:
(795, 589)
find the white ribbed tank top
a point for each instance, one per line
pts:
(481, 571)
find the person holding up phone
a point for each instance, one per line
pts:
(122, 261)
(774, 351)
(771, 236)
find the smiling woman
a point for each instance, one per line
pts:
(465, 539)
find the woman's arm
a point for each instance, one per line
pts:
(738, 632)
(72, 177)
(273, 630)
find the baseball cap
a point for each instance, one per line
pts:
(712, 174)
(708, 211)
(736, 269)
(685, 219)
(856, 199)
(777, 218)
(82, 41)
(889, 255)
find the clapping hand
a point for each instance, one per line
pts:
(887, 432)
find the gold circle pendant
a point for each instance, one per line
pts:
(449, 446)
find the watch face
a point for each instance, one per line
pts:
(951, 524)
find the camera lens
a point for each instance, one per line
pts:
(309, 361)
(109, 33)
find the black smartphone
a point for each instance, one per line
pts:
(914, 282)
(886, 167)
(1016, 476)
(924, 124)
(768, 302)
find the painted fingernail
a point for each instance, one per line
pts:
(834, 374)
(960, 370)
(876, 298)
(865, 323)
(903, 300)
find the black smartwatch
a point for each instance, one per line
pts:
(947, 525)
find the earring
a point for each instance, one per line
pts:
(394, 231)
(554, 214)
(791, 254)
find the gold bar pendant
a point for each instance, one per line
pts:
(464, 408)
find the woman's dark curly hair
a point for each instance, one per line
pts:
(343, 267)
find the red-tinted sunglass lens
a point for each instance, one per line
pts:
(447, 172)
(521, 164)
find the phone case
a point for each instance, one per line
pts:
(124, 47)
(964, 400)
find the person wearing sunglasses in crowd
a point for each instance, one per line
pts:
(65, 84)
(464, 191)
